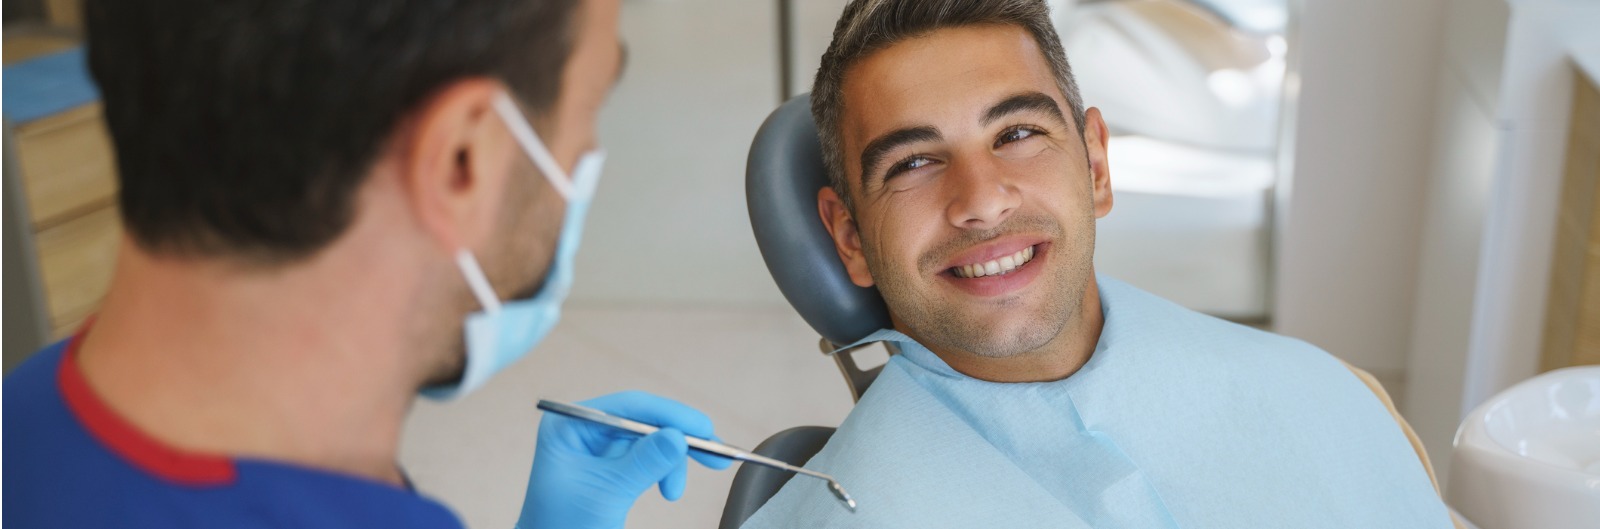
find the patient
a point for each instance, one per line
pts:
(967, 178)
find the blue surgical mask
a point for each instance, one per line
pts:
(503, 332)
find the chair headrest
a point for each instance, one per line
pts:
(782, 178)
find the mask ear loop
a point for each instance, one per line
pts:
(518, 125)
(477, 282)
(586, 178)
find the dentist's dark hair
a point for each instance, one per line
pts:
(243, 128)
(868, 26)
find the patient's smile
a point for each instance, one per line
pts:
(999, 267)
(995, 267)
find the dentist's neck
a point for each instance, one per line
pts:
(304, 364)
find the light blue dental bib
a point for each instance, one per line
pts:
(1178, 420)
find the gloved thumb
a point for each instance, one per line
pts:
(656, 457)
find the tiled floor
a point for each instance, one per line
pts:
(754, 371)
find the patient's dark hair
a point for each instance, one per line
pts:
(871, 25)
(244, 127)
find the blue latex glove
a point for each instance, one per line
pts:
(588, 475)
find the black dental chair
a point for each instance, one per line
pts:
(782, 178)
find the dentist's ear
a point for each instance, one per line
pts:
(1095, 139)
(456, 160)
(846, 238)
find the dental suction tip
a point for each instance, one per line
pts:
(838, 492)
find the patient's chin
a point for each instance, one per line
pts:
(1019, 341)
(1020, 325)
(997, 327)
(993, 339)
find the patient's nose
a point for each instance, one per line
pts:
(982, 197)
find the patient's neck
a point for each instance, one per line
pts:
(1057, 359)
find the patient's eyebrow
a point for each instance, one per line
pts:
(1024, 102)
(880, 146)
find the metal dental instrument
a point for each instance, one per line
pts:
(704, 445)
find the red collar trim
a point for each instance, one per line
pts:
(126, 441)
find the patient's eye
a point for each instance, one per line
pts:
(1015, 134)
(909, 164)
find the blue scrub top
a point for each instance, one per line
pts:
(71, 462)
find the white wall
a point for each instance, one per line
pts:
(813, 31)
(1347, 249)
(1457, 201)
(668, 226)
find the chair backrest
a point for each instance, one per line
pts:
(755, 484)
(782, 178)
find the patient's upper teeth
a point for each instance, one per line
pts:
(1002, 265)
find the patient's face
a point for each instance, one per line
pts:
(975, 197)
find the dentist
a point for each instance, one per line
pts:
(328, 207)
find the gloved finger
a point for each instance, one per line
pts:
(654, 456)
(672, 486)
(654, 410)
(711, 461)
(558, 432)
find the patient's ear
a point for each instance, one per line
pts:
(846, 239)
(1096, 138)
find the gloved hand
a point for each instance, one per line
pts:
(588, 475)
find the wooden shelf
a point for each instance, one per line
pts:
(68, 175)
(67, 165)
(76, 260)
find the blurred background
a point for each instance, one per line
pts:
(1409, 185)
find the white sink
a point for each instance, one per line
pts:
(1530, 456)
